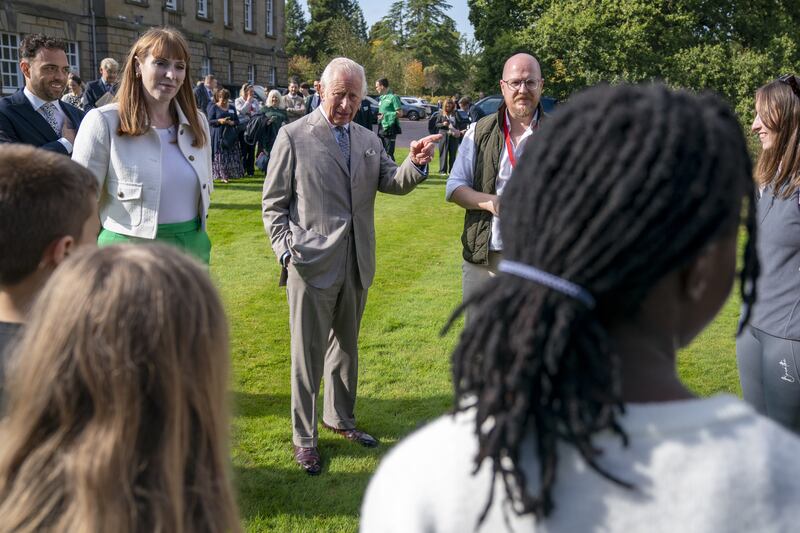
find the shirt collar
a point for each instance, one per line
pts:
(330, 124)
(35, 101)
(534, 121)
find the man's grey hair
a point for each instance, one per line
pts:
(109, 63)
(348, 67)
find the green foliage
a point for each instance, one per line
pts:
(322, 32)
(295, 28)
(728, 46)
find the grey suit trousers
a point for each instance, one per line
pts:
(324, 325)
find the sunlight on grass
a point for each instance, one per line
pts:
(404, 365)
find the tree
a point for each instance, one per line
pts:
(320, 34)
(433, 79)
(295, 28)
(413, 77)
(729, 46)
(303, 68)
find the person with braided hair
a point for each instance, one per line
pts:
(620, 233)
(768, 353)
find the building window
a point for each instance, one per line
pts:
(202, 8)
(172, 5)
(273, 76)
(10, 74)
(248, 15)
(205, 67)
(226, 12)
(251, 74)
(73, 57)
(270, 26)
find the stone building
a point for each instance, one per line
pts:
(236, 40)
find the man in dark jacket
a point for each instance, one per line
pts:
(204, 93)
(35, 114)
(97, 89)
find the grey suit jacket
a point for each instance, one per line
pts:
(311, 201)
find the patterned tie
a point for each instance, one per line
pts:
(49, 113)
(343, 140)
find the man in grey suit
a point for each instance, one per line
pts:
(318, 210)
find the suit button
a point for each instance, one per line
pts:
(121, 194)
(191, 158)
(181, 132)
(204, 185)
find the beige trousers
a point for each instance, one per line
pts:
(474, 276)
(324, 325)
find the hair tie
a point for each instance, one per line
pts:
(549, 280)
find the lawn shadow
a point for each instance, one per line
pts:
(274, 489)
(236, 207)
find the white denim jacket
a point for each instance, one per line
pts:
(128, 170)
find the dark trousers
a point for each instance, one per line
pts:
(248, 156)
(447, 153)
(768, 370)
(388, 145)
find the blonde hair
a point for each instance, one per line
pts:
(133, 116)
(243, 90)
(117, 416)
(281, 103)
(779, 165)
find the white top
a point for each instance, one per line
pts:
(180, 188)
(463, 173)
(129, 170)
(37, 104)
(244, 109)
(705, 465)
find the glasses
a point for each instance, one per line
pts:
(791, 81)
(530, 84)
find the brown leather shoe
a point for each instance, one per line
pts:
(308, 459)
(355, 435)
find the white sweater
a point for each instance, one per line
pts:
(706, 465)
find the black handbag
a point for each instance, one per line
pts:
(229, 137)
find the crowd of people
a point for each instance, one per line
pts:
(615, 246)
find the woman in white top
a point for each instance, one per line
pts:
(246, 107)
(620, 226)
(150, 151)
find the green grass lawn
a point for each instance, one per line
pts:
(404, 366)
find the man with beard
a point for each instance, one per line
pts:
(35, 114)
(486, 157)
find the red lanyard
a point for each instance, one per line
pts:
(509, 146)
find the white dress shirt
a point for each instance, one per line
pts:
(463, 171)
(37, 104)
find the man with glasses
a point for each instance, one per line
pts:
(487, 155)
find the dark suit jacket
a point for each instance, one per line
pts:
(20, 123)
(201, 98)
(95, 91)
(312, 103)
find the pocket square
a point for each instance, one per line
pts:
(370, 152)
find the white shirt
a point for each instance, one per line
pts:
(698, 466)
(180, 188)
(37, 104)
(244, 109)
(463, 171)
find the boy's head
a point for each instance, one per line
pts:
(48, 206)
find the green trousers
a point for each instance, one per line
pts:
(188, 236)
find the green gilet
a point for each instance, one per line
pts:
(489, 142)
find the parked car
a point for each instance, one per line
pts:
(373, 108)
(413, 108)
(413, 100)
(489, 104)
